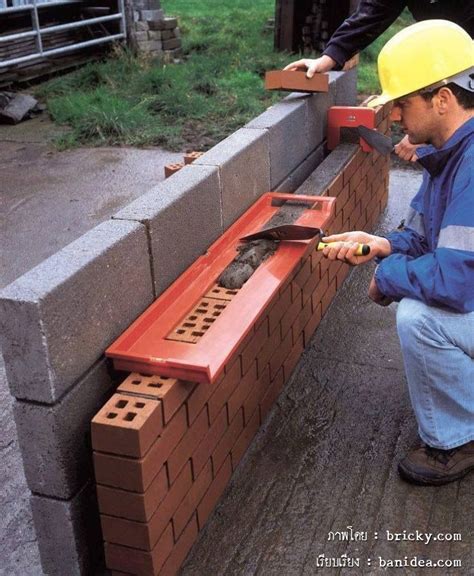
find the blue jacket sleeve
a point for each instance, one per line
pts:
(445, 275)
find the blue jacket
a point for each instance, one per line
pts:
(432, 258)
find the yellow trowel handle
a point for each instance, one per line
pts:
(362, 249)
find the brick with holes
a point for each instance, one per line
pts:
(136, 474)
(127, 425)
(171, 392)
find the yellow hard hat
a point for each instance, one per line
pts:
(422, 55)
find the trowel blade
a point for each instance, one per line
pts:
(381, 143)
(284, 232)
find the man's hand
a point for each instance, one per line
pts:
(346, 244)
(406, 151)
(321, 64)
(376, 295)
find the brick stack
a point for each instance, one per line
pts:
(165, 449)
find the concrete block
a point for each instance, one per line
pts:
(163, 23)
(243, 160)
(329, 169)
(57, 319)
(346, 87)
(304, 170)
(289, 137)
(171, 44)
(68, 533)
(149, 45)
(183, 217)
(55, 440)
(141, 27)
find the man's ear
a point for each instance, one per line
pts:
(444, 98)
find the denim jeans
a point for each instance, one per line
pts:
(438, 353)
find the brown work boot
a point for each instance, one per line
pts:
(432, 466)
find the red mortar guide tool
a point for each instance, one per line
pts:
(151, 346)
(297, 232)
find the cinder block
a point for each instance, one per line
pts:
(328, 171)
(127, 425)
(151, 15)
(244, 169)
(346, 87)
(296, 178)
(55, 440)
(290, 140)
(183, 218)
(68, 533)
(56, 320)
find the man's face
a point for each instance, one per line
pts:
(417, 117)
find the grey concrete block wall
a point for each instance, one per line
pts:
(57, 319)
(243, 160)
(68, 531)
(55, 440)
(182, 216)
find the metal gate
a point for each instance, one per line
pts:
(37, 32)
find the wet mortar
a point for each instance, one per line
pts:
(252, 254)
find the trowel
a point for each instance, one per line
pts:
(297, 232)
(383, 144)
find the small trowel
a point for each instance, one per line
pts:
(297, 232)
(383, 144)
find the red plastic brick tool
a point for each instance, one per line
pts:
(348, 117)
(193, 328)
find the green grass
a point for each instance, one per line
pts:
(125, 100)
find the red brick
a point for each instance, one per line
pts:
(348, 207)
(349, 169)
(171, 169)
(328, 296)
(237, 398)
(342, 275)
(190, 502)
(208, 503)
(335, 187)
(189, 157)
(268, 349)
(342, 198)
(302, 320)
(271, 395)
(302, 277)
(224, 389)
(240, 447)
(136, 474)
(279, 309)
(187, 445)
(127, 425)
(203, 452)
(312, 324)
(138, 561)
(256, 394)
(281, 353)
(290, 315)
(181, 549)
(227, 441)
(171, 392)
(198, 398)
(292, 360)
(320, 290)
(254, 346)
(132, 505)
(144, 535)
